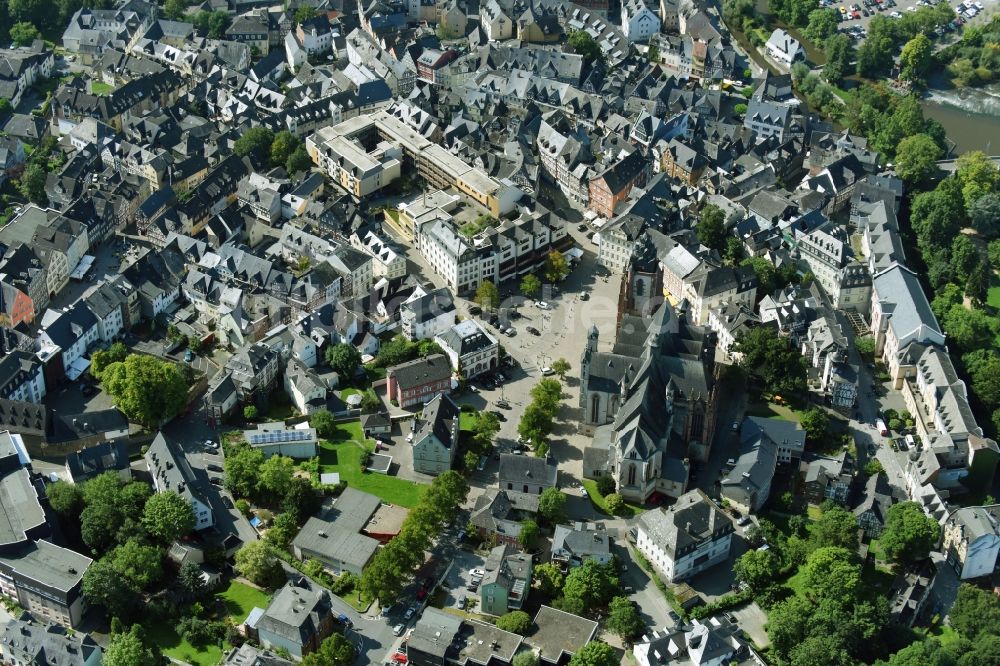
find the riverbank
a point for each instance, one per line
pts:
(970, 116)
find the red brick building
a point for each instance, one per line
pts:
(612, 186)
(417, 382)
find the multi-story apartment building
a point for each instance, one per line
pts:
(418, 381)
(971, 540)
(21, 377)
(901, 315)
(611, 187)
(172, 474)
(685, 538)
(435, 438)
(354, 157)
(471, 349)
(427, 315)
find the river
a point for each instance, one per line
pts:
(970, 116)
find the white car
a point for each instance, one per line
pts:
(542, 305)
(546, 371)
(210, 444)
(477, 573)
(398, 630)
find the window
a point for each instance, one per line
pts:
(631, 475)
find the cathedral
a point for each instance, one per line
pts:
(650, 402)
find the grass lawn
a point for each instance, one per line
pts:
(278, 411)
(875, 548)
(772, 410)
(797, 583)
(101, 88)
(598, 500)
(343, 454)
(241, 599)
(948, 636)
(993, 295)
(467, 421)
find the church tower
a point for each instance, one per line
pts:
(585, 359)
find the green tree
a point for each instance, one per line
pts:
(212, 24)
(32, 184)
(875, 54)
(242, 465)
(99, 524)
(470, 460)
(822, 24)
(254, 140)
(836, 527)
(275, 475)
(298, 161)
(128, 649)
(549, 579)
(335, 650)
(984, 214)
(516, 622)
(101, 359)
(831, 573)
(615, 503)
(250, 413)
(487, 296)
(772, 361)
(485, 429)
(974, 612)
(24, 33)
(167, 516)
(323, 421)
(605, 485)
(595, 653)
(937, 216)
(839, 51)
(711, 227)
(190, 581)
(591, 583)
(909, 533)
(344, 359)
(525, 658)
(146, 389)
(64, 498)
(257, 561)
(757, 568)
(529, 534)
(915, 59)
(282, 146)
(978, 176)
(873, 467)
(5, 108)
(556, 267)
(175, 9)
(283, 529)
(916, 157)
(301, 500)
(561, 366)
(530, 285)
(552, 505)
(816, 423)
(304, 13)
(865, 345)
(623, 618)
(102, 586)
(584, 45)
(969, 329)
(964, 257)
(137, 564)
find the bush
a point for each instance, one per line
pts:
(345, 584)
(722, 603)
(615, 503)
(516, 622)
(605, 485)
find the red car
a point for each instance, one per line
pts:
(399, 658)
(856, 14)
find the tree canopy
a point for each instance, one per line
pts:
(167, 516)
(711, 227)
(146, 389)
(517, 622)
(772, 361)
(595, 653)
(909, 533)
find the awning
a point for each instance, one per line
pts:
(81, 268)
(573, 254)
(78, 367)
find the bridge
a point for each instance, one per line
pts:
(951, 165)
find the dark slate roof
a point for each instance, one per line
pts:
(88, 463)
(440, 418)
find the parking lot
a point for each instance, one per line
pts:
(458, 594)
(857, 14)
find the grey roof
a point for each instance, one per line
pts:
(434, 632)
(21, 512)
(248, 655)
(27, 641)
(417, 372)
(582, 540)
(557, 633)
(692, 520)
(876, 497)
(527, 469)
(752, 473)
(296, 613)
(977, 521)
(781, 432)
(94, 460)
(431, 305)
(48, 565)
(171, 471)
(441, 419)
(335, 543)
(903, 301)
(466, 337)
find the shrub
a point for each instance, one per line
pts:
(605, 485)
(615, 503)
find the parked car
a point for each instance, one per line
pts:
(209, 444)
(547, 371)
(475, 310)
(398, 629)
(213, 468)
(188, 356)
(581, 227)
(533, 330)
(215, 481)
(510, 332)
(410, 612)
(585, 296)
(542, 305)
(228, 503)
